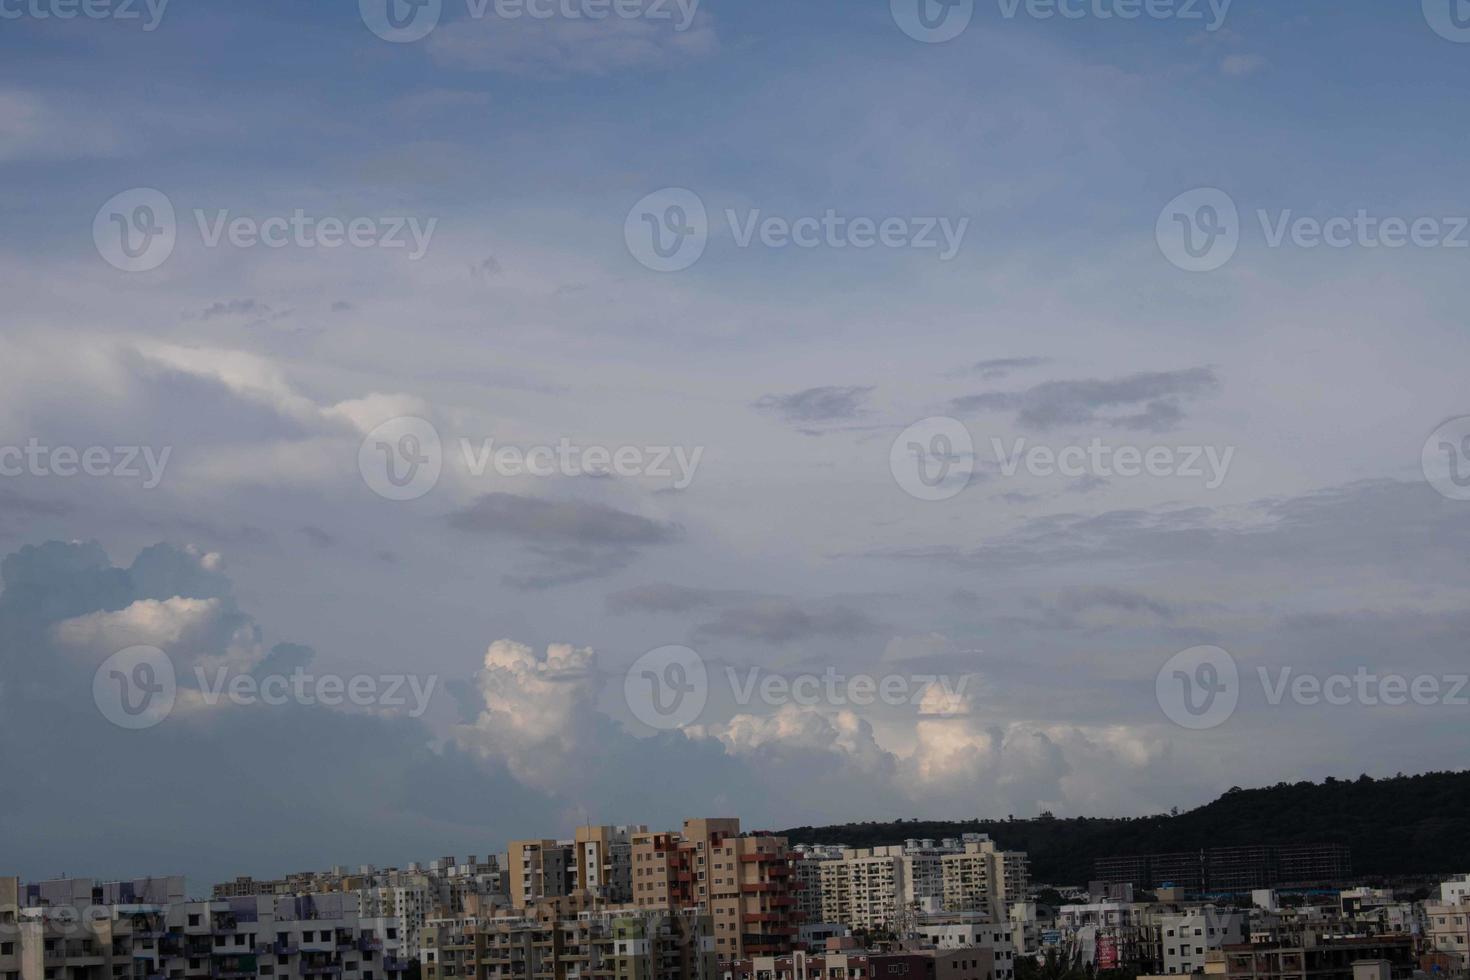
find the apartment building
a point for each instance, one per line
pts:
(983, 879)
(571, 937)
(603, 861)
(921, 964)
(806, 873)
(867, 888)
(1190, 937)
(1322, 958)
(744, 881)
(1447, 932)
(945, 931)
(540, 869)
(1455, 891)
(237, 939)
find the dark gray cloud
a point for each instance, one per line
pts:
(548, 567)
(1087, 484)
(12, 502)
(662, 598)
(817, 404)
(1077, 601)
(251, 309)
(1003, 366)
(317, 536)
(567, 541)
(1144, 402)
(780, 621)
(1385, 528)
(560, 521)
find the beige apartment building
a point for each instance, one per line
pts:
(1447, 927)
(744, 882)
(571, 937)
(983, 879)
(539, 869)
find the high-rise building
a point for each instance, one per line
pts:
(540, 869)
(604, 861)
(983, 879)
(744, 881)
(571, 937)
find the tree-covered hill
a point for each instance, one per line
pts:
(1401, 826)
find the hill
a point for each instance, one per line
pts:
(1406, 825)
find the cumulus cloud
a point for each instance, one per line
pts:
(536, 708)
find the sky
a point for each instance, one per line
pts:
(809, 412)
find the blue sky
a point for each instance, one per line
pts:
(1061, 321)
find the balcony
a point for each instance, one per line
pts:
(369, 944)
(321, 969)
(394, 965)
(287, 948)
(237, 968)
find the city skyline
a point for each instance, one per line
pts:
(426, 424)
